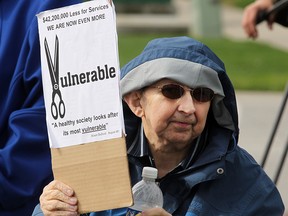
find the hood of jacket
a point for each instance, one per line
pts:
(189, 62)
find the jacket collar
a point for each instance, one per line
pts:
(178, 185)
(140, 148)
(216, 143)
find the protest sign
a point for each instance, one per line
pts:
(80, 72)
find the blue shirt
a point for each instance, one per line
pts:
(25, 164)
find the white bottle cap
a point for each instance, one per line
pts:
(149, 172)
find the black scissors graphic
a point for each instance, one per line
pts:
(54, 75)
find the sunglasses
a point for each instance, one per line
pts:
(174, 91)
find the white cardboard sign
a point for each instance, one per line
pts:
(80, 70)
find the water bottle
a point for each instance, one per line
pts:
(146, 193)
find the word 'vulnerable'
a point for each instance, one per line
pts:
(86, 77)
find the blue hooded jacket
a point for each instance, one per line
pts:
(222, 178)
(25, 164)
(217, 177)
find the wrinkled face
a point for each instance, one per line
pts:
(171, 124)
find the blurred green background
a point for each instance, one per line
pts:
(251, 65)
(237, 3)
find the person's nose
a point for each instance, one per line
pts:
(186, 103)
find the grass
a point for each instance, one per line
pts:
(237, 3)
(250, 65)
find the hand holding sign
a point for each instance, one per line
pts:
(86, 131)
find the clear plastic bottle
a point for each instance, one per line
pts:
(146, 193)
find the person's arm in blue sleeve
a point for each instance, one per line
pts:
(115, 212)
(25, 163)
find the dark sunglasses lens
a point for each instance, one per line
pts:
(202, 94)
(172, 91)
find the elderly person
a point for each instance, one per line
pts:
(181, 117)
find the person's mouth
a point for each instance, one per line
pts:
(185, 124)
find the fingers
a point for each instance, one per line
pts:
(249, 21)
(270, 21)
(58, 199)
(250, 15)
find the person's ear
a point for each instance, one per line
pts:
(133, 101)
